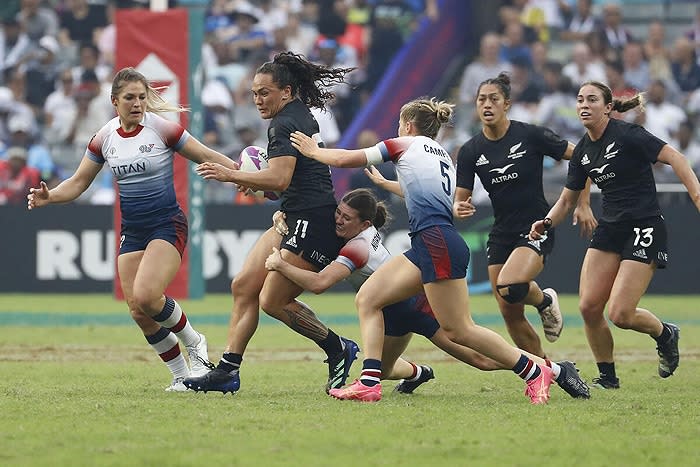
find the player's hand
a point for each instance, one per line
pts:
(38, 197)
(278, 222)
(215, 171)
(303, 143)
(375, 176)
(463, 209)
(538, 231)
(274, 260)
(584, 218)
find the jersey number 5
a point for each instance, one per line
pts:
(446, 184)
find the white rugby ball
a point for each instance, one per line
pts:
(254, 159)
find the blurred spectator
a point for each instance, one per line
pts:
(14, 46)
(684, 140)
(612, 31)
(89, 60)
(656, 53)
(582, 68)
(106, 40)
(335, 55)
(37, 20)
(17, 84)
(59, 113)
(525, 92)
(580, 21)
(331, 18)
(636, 68)
(513, 45)
(508, 15)
(540, 54)
(16, 177)
(300, 34)
(661, 118)
(273, 16)
(693, 34)
(218, 114)
(81, 23)
(41, 74)
(557, 108)
(389, 20)
(685, 69)
(542, 15)
(248, 42)
(487, 65)
(38, 156)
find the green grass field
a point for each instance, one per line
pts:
(80, 387)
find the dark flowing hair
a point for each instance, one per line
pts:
(308, 81)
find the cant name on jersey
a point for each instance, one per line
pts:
(311, 184)
(426, 175)
(142, 164)
(510, 170)
(620, 164)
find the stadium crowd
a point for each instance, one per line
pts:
(57, 60)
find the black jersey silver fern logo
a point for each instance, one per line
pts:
(608, 154)
(512, 154)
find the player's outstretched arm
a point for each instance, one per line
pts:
(681, 167)
(66, 191)
(347, 158)
(378, 179)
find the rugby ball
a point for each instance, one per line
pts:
(254, 159)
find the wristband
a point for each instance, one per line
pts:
(547, 222)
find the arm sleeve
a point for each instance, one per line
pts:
(465, 167)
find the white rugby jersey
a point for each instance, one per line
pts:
(142, 163)
(363, 254)
(427, 177)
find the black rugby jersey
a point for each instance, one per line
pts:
(311, 184)
(511, 171)
(620, 164)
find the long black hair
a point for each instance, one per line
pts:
(308, 81)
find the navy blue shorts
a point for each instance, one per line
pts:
(440, 253)
(173, 231)
(411, 315)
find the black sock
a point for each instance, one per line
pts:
(332, 344)
(546, 301)
(665, 334)
(606, 370)
(230, 362)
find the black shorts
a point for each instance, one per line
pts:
(312, 233)
(500, 246)
(643, 240)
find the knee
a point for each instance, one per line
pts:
(144, 301)
(591, 312)
(514, 293)
(619, 316)
(244, 287)
(269, 305)
(364, 303)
